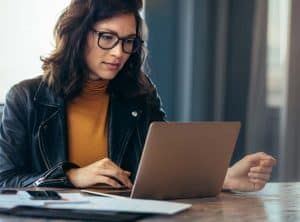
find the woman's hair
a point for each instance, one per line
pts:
(65, 69)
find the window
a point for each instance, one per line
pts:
(26, 34)
(278, 18)
(277, 73)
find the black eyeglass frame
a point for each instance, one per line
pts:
(137, 41)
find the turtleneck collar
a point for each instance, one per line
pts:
(95, 87)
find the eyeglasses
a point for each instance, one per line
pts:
(108, 40)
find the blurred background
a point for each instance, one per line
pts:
(211, 60)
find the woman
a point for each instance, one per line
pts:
(84, 122)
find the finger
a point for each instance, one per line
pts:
(258, 181)
(123, 177)
(256, 157)
(106, 163)
(263, 177)
(108, 181)
(258, 184)
(112, 170)
(268, 162)
(263, 155)
(260, 169)
(119, 175)
(116, 167)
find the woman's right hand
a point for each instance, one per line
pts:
(102, 171)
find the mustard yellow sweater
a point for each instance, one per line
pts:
(87, 124)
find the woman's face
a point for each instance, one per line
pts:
(106, 63)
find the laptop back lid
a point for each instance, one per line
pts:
(185, 159)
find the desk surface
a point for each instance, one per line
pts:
(276, 202)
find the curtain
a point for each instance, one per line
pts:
(256, 107)
(290, 150)
(209, 61)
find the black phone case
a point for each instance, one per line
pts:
(44, 195)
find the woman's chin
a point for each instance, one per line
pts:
(106, 76)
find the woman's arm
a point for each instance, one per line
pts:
(15, 149)
(100, 172)
(250, 173)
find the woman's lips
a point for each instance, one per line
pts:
(112, 66)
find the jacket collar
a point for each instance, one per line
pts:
(45, 96)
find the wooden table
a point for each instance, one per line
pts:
(276, 202)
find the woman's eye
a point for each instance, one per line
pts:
(107, 37)
(129, 41)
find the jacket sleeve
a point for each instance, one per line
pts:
(15, 162)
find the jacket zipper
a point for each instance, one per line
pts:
(43, 178)
(41, 144)
(42, 148)
(126, 140)
(139, 137)
(140, 141)
(43, 181)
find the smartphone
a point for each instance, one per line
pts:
(44, 195)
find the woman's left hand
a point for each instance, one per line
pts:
(250, 173)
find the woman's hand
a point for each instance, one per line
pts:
(250, 173)
(102, 171)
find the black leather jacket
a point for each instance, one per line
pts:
(33, 134)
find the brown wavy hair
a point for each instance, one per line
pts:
(65, 70)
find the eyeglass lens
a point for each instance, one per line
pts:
(110, 40)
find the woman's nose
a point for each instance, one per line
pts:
(117, 50)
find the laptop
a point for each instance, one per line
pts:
(183, 160)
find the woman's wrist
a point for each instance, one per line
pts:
(227, 183)
(69, 172)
